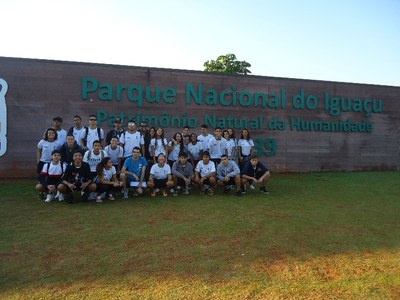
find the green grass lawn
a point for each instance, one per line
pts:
(316, 236)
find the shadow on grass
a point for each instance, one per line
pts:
(307, 217)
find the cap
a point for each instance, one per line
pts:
(57, 119)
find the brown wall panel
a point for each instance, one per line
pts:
(38, 90)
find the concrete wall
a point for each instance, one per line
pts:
(38, 90)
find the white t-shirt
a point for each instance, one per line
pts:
(94, 159)
(246, 146)
(54, 170)
(92, 136)
(174, 153)
(216, 147)
(47, 147)
(78, 133)
(203, 140)
(61, 137)
(194, 150)
(158, 147)
(114, 154)
(205, 169)
(160, 172)
(230, 145)
(130, 141)
(108, 174)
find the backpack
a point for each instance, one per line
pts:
(90, 154)
(87, 132)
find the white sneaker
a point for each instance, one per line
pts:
(49, 198)
(252, 187)
(126, 194)
(57, 195)
(60, 197)
(92, 196)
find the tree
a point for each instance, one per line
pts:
(227, 64)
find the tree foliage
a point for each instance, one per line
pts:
(227, 64)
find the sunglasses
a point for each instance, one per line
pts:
(92, 119)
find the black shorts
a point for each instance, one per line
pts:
(230, 182)
(160, 183)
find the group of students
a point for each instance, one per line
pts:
(85, 159)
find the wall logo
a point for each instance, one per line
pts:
(3, 117)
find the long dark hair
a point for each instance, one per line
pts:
(248, 134)
(181, 143)
(101, 165)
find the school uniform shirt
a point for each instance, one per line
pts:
(51, 173)
(92, 135)
(216, 147)
(230, 145)
(174, 153)
(205, 169)
(158, 147)
(194, 150)
(114, 154)
(77, 133)
(230, 170)
(47, 147)
(61, 137)
(246, 146)
(160, 172)
(203, 140)
(108, 174)
(130, 141)
(93, 159)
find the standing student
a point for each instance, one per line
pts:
(158, 144)
(204, 138)
(45, 147)
(61, 133)
(205, 174)
(245, 147)
(50, 176)
(77, 130)
(91, 134)
(160, 176)
(230, 145)
(217, 146)
(130, 139)
(175, 146)
(145, 134)
(116, 131)
(194, 148)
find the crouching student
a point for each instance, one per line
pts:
(50, 176)
(107, 181)
(205, 174)
(182, 173)
(228, 174)
(160, 176)
(255, 172)
(77, 177)
(133, 173)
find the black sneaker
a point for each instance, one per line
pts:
(226, 190)
(264, 190)
(239, 194)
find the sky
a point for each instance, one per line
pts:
(341, 40)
